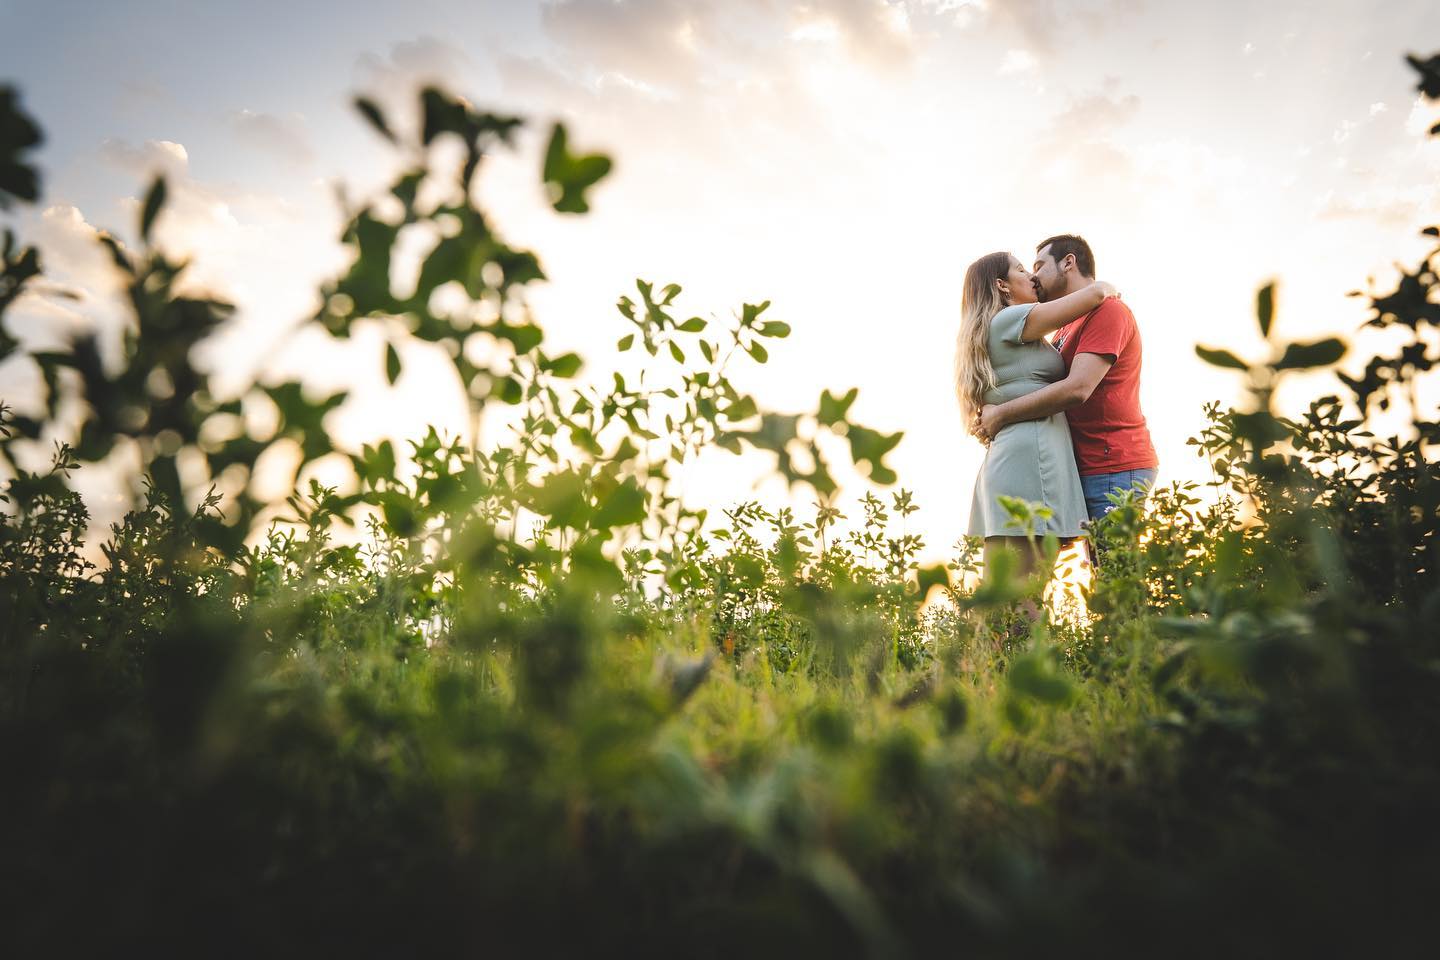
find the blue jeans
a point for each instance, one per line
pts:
(1098, 486)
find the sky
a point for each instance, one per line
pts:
(845, 160)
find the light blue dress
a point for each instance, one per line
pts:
(1033, 459)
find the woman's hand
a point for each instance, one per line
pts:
(1106, 289)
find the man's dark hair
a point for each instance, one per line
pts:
(1068, 243)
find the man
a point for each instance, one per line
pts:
(1101, 390)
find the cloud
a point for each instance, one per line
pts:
(683, 45)
(283, 137)
(1086, 162)
(662, 42)
(535, 79)
(1389, 205)
(1017, 61)
(147, 159)
(80, 291)
(874, 32)
(1044, 24)
(1423, 115)
(1077, 145)
(71, 252)
(412, 64)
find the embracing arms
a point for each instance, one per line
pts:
(1045, 318)
(1086, 373)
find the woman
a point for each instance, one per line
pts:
(1001, 354)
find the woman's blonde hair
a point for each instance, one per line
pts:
(979, 303)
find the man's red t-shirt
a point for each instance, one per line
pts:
(1108, 429)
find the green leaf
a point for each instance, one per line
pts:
(707, 351)
(676, 352)
(1220, 358)
(930, 577)
(508, 390)
(445, 262)
(693, 325)
(1265, 308)
(834, 409)
(561, 497)
(585, 440)
(774, 328)
(1320, 353)
(742, 409)
(569, 175)
(442, 115)
(625, 342)
(1035, 677)
(375, 463)
(406, 188)
(371, 112)
(566, 365)
(524, 337)
(750, 312)
(392, 363)
(758, 352)
(154, 201)
(17, 133)
(368, 282)
(517, 267)
(625, 505)
(748, 570)
(400, 513)
(871, 445)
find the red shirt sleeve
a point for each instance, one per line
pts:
(1108, 331)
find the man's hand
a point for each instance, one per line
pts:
(990, 421)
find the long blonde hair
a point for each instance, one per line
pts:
(980, 301)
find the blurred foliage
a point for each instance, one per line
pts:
(540, 706)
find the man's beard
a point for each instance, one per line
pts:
(1040, 294)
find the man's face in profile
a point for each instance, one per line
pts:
(1048, 282)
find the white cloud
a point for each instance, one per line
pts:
(1017, 61)
(1423, 115)
(147, 159)
(1045, 24)
(413, 63)
(283, 137)
(1397, 206)
(688, 45)
(71, 252)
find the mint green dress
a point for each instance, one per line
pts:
(1034, 459)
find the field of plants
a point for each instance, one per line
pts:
(541, 706)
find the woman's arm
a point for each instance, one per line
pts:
(1085, 375)
(1054, 314)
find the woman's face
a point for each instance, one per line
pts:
(1019, 284)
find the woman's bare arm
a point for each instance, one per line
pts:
(1053, 314)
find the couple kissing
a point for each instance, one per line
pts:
(1060, 417)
